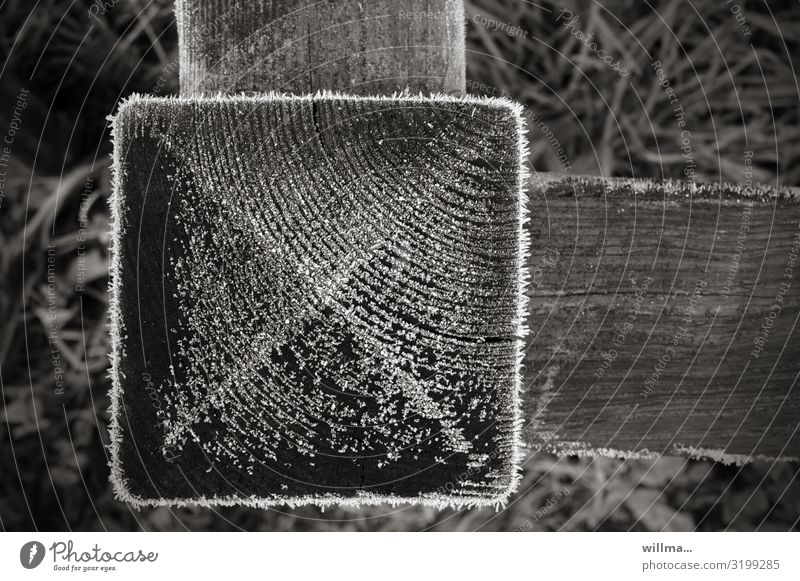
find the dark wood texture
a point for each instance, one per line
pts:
(303, 46)
(316, 300)
(649, 304)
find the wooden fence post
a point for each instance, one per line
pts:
(375, 47)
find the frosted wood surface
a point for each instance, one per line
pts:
(303, 46)
(317, 300)
(648, 309)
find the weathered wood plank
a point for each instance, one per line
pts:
(663, 319)
(303, 46)
(316, 300)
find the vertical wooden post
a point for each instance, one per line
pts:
(337, 315)
(303, 46)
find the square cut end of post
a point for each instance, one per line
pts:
(317, 300)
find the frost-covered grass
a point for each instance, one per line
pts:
(58, 456)
(735, 96)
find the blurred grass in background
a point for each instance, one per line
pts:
(77, 62)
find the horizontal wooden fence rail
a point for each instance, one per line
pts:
(663, 319)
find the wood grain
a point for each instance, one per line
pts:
(663, 319)
(317, 300)
(303, 46)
